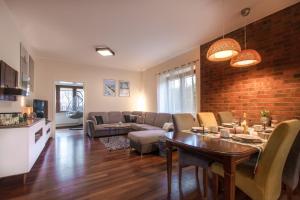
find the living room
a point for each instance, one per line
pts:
(93, 96)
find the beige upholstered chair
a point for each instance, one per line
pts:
(266, 183)
(225, 117)
(208, 119)
(185, 121)
(291, 171)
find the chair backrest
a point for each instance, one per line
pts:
(272, 160)
(208, 119)
(183, 121)
(291, 171)
(225, 117)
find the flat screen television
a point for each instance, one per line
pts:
(40, 107)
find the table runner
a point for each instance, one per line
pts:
(259, 146)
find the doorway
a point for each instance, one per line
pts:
(69, 106)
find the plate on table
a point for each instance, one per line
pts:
(199, 130)
(247, 138)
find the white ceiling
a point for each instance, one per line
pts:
(143, 33)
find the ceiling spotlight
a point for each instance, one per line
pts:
(105, 51)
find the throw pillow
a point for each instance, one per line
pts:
(127, 118)
(133, 118)
(168, 126)
(98, 119)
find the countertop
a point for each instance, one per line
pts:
(28, 123)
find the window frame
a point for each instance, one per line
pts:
(181, 78)
(58, 89)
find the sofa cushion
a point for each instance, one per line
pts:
(162, 118)
(126, 113)
(98, 119)
(100, 127)
(115, 117)
(103, 114)
(133, 118)
(140, 120)
(150, 118)
(144, 127)
(127, 118)
(139, 113)
(146, 137)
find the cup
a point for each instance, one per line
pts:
(225, 133)
(213, 129)
(258, 128)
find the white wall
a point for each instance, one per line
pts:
(143, 85)
(149, 77)
(47, 72)
(10, 39)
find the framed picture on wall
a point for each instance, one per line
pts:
(31, 73)
(24, 68)
(109, 87)
(124, 89)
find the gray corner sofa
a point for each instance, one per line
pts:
(146, 121)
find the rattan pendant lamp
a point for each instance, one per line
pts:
(246, 57)
(223, 49)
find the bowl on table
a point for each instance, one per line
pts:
(258, 128)
(225, 133)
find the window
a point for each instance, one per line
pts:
(69, 98)
(177, 90)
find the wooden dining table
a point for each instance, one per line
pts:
(228, 153)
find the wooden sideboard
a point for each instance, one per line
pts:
(20, 147)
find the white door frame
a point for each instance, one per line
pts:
(54, 105)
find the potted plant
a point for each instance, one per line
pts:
(265, 117)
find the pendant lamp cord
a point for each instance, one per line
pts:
(245, 34)
(223, 20)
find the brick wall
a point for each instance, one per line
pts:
(274, 84)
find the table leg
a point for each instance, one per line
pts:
(169, 167)
(229, 178)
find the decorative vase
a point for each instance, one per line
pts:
(265, 121)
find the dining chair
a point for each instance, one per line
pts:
(265, 184)
(291, 171)
(185, 121)
(225, 117)
(207, 119)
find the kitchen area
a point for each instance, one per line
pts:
(25, 131)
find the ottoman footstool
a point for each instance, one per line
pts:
(145, 141)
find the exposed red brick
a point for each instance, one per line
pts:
(274, 84)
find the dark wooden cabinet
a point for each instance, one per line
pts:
(2, 72)
(9, 76)
(8, 79)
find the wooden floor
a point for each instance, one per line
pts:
(75, 167)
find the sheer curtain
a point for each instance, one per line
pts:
(177, 90)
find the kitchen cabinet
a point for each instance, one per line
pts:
(8, 76)
(8, 79)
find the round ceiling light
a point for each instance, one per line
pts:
(246, 58)
(223, 49)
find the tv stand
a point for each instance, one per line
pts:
(21, 146)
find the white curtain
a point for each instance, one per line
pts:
(177, 90)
